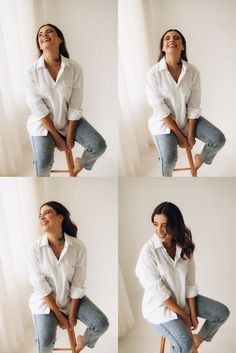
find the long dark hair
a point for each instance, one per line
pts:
(67, 225)
(175, 226)
(183, 52)
(62, 48)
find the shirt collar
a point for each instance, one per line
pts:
(64, 62)
(44, 241)
(158, 244)
(163, 65)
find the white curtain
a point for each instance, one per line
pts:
(19, 227)
(134, 62)
(125, 317)
(19, 20)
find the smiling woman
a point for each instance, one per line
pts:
(57, 274)
(54, 95)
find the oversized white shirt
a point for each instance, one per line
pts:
(64, 278)
(61, 99)
(162, 278)
(179, 99)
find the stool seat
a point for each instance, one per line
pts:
(191, 164)
(70, 164)
(72, 340)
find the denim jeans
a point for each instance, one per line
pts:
(85, 135)
(214, 313)
(88, 313)
(167, 145)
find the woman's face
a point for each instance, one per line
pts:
(172, 43)
(48, 38)
(49, 219)
(160, 222)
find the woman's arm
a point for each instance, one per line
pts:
(193, 311)
(72, 315)
(191, 132)
(170, 304)
(70, 142)
(48, 124)
(170, 123)
(62, 321)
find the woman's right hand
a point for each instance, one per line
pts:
(60, 143)
(63, 322)
(182, 141)
(187, 321)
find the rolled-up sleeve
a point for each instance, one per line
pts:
(149, 277)
(74, 107)
(78, 279)
(191, 287)
(193, 105)
(38, 280)
(155, 98)
(33, 99)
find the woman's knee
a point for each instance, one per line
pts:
(219, 139)
(101, 323)
(187, 345)
(101, 145)
(223, 312)
(45, 344)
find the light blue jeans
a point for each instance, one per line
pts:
(214, 313)
(88, 313)
(167, 145)
(85, 135)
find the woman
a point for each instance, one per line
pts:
(57, 274)
(54, 95)
(173, 91)
(166, 270)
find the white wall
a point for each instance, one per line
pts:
(209, 28)
(208, 206)
(93, 207)
(90, 30)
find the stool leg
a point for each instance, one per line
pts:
(162, 346)
(72, 339)
(190, 160)
(70, 161)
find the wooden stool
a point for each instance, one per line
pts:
(163, 342)
(191, 164)
(72, 340)
(70, 164)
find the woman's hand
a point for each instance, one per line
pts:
(194, 320)
(187, 321)
(63, 322)
(72, 322)
(60, 143)
(182, 141)
(191, 141)
(70, 143)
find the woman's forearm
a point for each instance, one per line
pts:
(48, 124)
(71, 129)
(50, 301)
(173, 306)
(192, 127)
(73, 307)
(192, 306)
(171, 124)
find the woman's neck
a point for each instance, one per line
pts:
(173, 61)
(52, 58)
(56, 238)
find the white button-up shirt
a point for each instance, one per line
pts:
(64, 278)
(162, 278)
(179, 99)
(61, 99)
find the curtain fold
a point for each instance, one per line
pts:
(134, 62)
(19, 227)
(125, 317)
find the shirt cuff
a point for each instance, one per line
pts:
(43, 290)
(76, 292)
(191, 291)
(161, 111)
(193, 113)
(74, 114)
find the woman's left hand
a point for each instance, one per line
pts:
(191, 141)
(72, 322)
(70, 143)
(194, 320)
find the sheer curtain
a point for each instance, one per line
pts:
(134, 62)
(19, 204)
(126, 319)
(19, 20)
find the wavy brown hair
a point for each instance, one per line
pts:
(183, 53)
(68, 226)
(62, 48)
(176, 227)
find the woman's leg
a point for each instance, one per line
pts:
(94, 319)
(167, 147)
(45, 327)
(43, 150)
(215, 314)
(92, 141)
(176, 332)
(213, 138)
